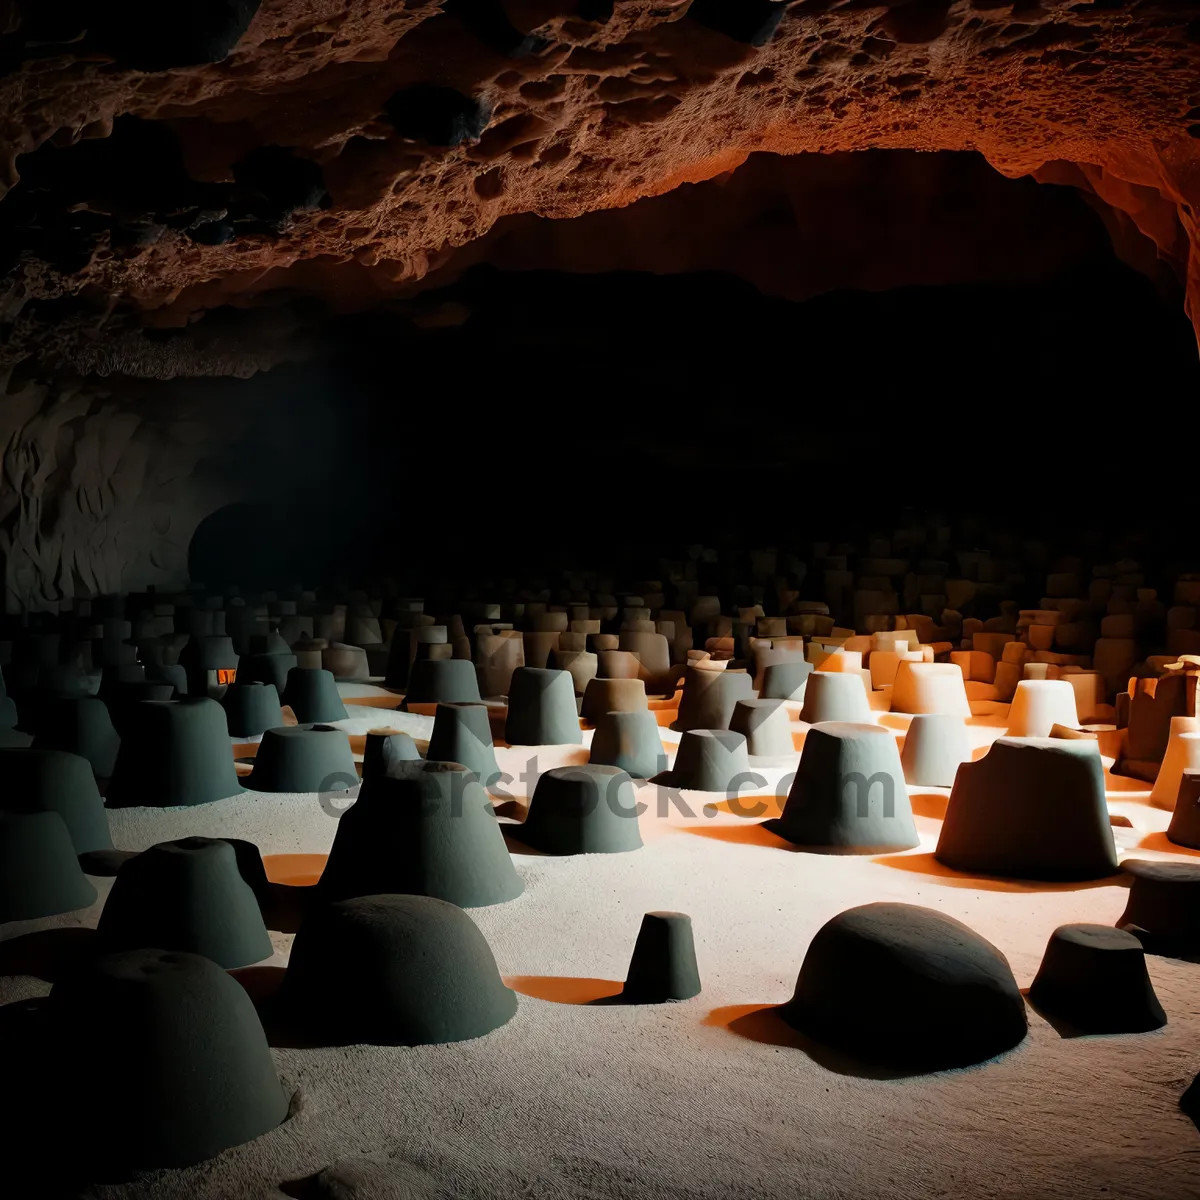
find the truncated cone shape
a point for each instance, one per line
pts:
(386, 747)
(1184, 829)
(929, 688)
(904, 985)
(188, 896)
(766, 726)
(442, 681)
(1182, 754)
(170, 673)
(40, 874)
(848, 795)
(1031, 808)
(251, 708)
(267, 668)
(541, 709)
(785, 680)
(589, 809)
(419, 970)
(835, 696)
(174, 754)
(426, 829)
(1094, 977)
(630, 741)
(124, 699)
(462, 734)
(1039, 704)
(579, 664)
(613, 695)
(346, 661)
(709, 697)
(82, 727)
(303, 758)
(312, 694)
(185, 1063)
(709, 760)
(933, 748)
(663, 966)
(1163, 906)
(250, 864)
(55, 781)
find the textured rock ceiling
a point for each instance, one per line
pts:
(172, 157)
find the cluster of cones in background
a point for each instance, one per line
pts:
(147, 708)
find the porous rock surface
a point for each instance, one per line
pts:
(349, 147)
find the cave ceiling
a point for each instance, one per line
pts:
(164, 162)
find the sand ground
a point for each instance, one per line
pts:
(709, 1097)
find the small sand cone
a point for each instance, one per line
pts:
(313, 696)
(709, 760)
(83, 727)
(462, 733)
(1094, 977)
(588, 809)
(613, 695)
(40, 874)
(303, 758)
(935, 745)
(442, 681)
(785, 680)
(1163, 907)
(663, 966)
(174, 754)
(630, 741)
(55, 781)
(189, 896)
(765, 725)
(848, 795)
(835, 696)
(419, 969)
(186, 1065)
(251, 708)
(541, 709)
(385, 747)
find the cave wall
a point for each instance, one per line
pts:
(105, 481)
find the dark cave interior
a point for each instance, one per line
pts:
(595, 413)
(796, 348)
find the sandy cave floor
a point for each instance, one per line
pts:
(709, 1097)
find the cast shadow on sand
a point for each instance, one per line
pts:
(746, 833)
(762, 1023)
(929, 804)
(924, 863)
(1066, 1030)
(49, 954)
(566, 989)
(262, 984)
(1160, 841)
(512, 838)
